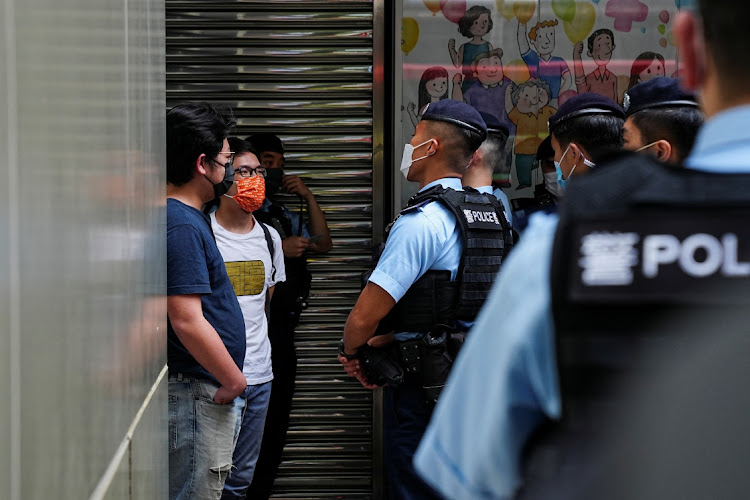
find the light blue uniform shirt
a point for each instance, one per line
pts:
(425, 238)
(505, 380)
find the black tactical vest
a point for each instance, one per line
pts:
(645, 256)
(434, 299)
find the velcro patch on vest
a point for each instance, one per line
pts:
(695, 259)
(480, 216)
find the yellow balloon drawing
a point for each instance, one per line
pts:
(524, 10)
(505, 8)
(517, 71)
(432, 5)
(582, 24)
(409, 34)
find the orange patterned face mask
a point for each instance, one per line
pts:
(251, 191)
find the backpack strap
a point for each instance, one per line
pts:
(269, 242)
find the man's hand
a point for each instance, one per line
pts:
(353, 369)
(294, 246)
(578, 49)
(225, 396)
(294, 185)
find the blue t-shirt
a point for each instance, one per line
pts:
(550, 71)
(195, 266)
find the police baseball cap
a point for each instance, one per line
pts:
(456, 112)
(494, 126)
(660, 92)
(584, 104)
(265, 141)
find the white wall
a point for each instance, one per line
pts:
(82, 257)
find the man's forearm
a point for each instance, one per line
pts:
(204, 344)
(318, 226)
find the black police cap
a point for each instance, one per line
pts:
(456, 112)
(660, 92)
(265, 141)
(587, 103)
(494, 126)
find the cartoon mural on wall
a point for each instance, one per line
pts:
(474, 24)
(514, 63)
(433, 86)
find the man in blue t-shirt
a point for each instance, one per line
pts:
(205, 327)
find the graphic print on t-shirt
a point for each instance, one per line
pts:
(247, 277)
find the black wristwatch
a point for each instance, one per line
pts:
(349, 357)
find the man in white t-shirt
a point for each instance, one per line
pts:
(246, 244)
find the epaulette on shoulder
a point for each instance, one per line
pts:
(413, 208)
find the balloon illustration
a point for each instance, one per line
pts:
(409, 34)
(505, 8)
(524, 10)
(564, 9)
(517, 71)
(582, 24)
(453, 10)
(432, 5)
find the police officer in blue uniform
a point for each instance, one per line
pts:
(662, 119)
(426, 284)
(636, 241)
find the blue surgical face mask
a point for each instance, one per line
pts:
(561, 181)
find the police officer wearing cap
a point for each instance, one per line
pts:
(489, 157)
(422, 283)
(506, 384)
(662, 119)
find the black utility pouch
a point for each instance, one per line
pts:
(380, 366)
(436, 364)
(411, 355)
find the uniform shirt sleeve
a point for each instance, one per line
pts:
(413, 244)
(278, 257)
(294, 216)
(187, 270)
(503, 383)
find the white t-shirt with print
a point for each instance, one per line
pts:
(249, 268)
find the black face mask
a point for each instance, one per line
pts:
(222, 187)
(273, 179)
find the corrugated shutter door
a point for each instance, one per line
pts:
(303, 70)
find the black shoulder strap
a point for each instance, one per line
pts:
(269, 242)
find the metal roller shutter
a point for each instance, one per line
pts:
(304, 70)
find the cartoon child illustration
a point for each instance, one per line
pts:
(475, 23)
(490, 89)
(433, 86)
(601, 81)
(646, 66)
(529, 111)
(541, 63)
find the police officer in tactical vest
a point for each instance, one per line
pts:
(644, 260)
(440, 258)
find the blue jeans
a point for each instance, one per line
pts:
(202, 435)
(248, 443)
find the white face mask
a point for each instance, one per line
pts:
(406, 159)
(550, 182)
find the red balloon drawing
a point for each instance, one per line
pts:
(453, 10)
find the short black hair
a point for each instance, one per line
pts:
(678, 125)
(471, 15)
(240, 147)
(603, 31)
(459, 142)
(724, 28)
(596, 133)
(265, 141)
(194, 129)
(493, 149)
